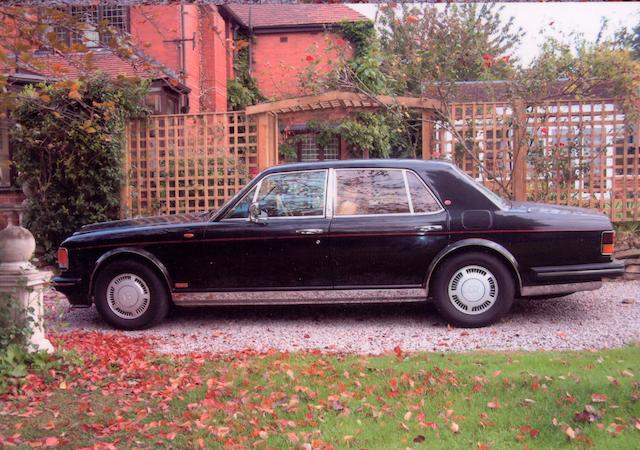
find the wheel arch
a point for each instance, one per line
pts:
(136, 254)
(484, 245)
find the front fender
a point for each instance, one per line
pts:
(474, 243)
(139, 253)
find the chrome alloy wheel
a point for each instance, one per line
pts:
(473, 289)
(128, 296)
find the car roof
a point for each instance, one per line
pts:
(416, 164)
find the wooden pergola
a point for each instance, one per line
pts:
(266, 115)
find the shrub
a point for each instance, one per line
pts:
(68, 144)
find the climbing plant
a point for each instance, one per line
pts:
(68, 143)
(242, 90)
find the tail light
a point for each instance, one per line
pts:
(63, 258)
(607, 242)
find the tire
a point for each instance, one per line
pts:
(130, 296)
(488, 294)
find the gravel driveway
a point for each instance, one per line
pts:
(609, 317)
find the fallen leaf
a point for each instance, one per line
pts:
(455, 427)
(627, 373)
(588, 415)
(494, 405)
(419, 438)
(570, 433)
(51, 442)
(598, 398)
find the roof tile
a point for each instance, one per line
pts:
(275, 15)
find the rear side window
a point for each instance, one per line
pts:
(422, 200)
(370, 191)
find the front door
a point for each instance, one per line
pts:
(387, 228)
(287, 251)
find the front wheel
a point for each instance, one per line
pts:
(130, 296)
(473, 289)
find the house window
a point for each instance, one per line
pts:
(114, 16)
(310, 150)
(284, 39)
(162, 103)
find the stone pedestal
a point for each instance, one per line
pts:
(24, 284)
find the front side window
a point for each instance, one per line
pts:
(370, 191)
(241, 210)
(294, 194)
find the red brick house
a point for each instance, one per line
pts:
(286, 39)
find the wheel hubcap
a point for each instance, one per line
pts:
(473, 289)
(128, 296)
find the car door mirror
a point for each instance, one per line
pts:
(256, 215)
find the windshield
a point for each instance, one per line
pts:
(495, 198)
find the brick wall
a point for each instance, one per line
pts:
(280, 58)
(156, 29)
(215, 63)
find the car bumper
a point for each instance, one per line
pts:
(552, 280)
(579, 272)
(73, 289)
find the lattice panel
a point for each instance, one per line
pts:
(584, 153)
(578, 153)
(485, 129)
(188, 163)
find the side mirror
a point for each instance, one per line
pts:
(256, 215)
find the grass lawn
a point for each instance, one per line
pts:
(112, 391)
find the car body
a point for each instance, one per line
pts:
(340, 232)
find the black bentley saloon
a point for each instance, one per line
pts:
(342, 232)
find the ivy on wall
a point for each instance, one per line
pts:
(68, 142)
(242, 90)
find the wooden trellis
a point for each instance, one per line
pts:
(187, 163)
(577, 153)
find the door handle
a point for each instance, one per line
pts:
(427, 228)
(310, 231)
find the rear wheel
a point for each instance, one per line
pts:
(473, 289)
(130, 296)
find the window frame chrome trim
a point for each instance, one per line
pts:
(259, 185)
(407, 191)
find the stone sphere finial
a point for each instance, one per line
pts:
(16, 246)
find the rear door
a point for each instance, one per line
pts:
(387, 227)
